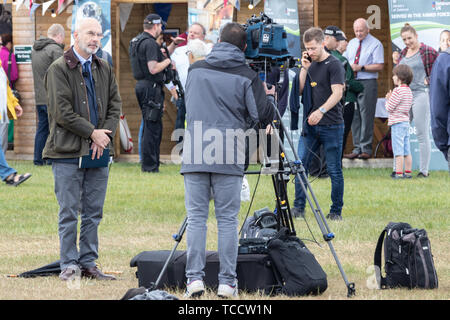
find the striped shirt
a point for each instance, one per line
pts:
(399, 104)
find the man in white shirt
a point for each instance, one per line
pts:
(366, 56)
(181, 59)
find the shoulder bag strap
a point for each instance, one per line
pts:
(377, 260)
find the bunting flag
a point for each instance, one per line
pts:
(163, 10)
(46, 5)
(237, 5)
(64, 5)
(33, 8)
(60, 2)
(18, 4)
(125, 10)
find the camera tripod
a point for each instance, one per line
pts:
(296, 168)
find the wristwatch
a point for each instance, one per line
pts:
(323, 110)
(363, 68)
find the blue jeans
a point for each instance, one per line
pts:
(141, 131)
(400, 139)
(331, 137)
(5, 170)
(41, 133)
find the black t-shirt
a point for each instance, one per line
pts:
(149, 50)
(326, 73)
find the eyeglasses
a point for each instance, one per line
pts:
(188, 52)
(93, 34)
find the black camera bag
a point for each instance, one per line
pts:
(254, 271)
(298, 269)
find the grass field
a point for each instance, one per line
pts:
(142, 211)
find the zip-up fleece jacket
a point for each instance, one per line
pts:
(68, 107)
(223, 96)
(45, 51)
(440, 101)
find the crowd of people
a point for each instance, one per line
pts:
(10, 109)
(78, 106)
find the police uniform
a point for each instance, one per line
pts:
(150, 96)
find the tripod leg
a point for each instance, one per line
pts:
(177, 237)
(283, 202)
(318, 214)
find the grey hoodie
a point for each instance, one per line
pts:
(224, 98)
(45, 51)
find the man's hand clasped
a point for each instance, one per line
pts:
(100, 141)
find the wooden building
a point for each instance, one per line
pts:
(311, 13)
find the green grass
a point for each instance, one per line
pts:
(142, 211)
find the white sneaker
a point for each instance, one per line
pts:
(227, 291)
(194, 289)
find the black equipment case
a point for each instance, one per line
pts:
(254, 271)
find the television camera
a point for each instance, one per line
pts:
(267, 44)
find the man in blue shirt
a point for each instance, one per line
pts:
(366, 56)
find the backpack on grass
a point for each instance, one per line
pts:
(298, 270)
(408, 259)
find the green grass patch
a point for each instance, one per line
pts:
(142, 211)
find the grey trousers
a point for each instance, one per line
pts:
(420, 113)
(79, 191)
(226, 191)
(363, 118)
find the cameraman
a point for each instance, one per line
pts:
(223, 95)
(149, 65)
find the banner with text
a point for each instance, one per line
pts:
(98, 9)
(285, 12)
(212, 14)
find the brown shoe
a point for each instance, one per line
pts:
(70, 273)
(364, 156)
(95, 273)
(351, 156)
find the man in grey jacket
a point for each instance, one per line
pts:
(45, 51)
(223, 97)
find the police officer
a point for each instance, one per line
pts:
(149, 67)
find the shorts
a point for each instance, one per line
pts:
(400, 139)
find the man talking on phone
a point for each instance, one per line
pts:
(324, 76)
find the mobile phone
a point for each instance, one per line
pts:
(308, 57)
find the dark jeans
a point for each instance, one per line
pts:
(331, 138)
(41, 133)
(181, 116)
(349, 111)
(152, 130)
